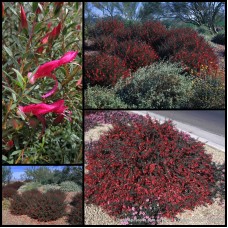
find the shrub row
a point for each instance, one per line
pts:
(140, 45)
(161, 85)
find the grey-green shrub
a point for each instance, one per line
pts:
(160, 86)
(208, 93)
(100, 97)
(29, 186)
(70, 186)
(48, 187)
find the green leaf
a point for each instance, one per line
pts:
(13, 106)
(20, 78)
(33, 100)
(4, 158)
(76, 6)
(34, 6)
(15, 152)
(9, 52)
(14, 97)
(9, 89)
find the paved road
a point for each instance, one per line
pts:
(212, 121)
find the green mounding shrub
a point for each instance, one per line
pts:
(48, 187)
(219, 39)
(8, 192)
(203, 30)
(76, 215)
(98, 97)
(207, 93)
(159, 86)
(70, 186)
(29, 186)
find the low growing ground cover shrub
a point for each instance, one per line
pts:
(5, 204)
(70, 186)
(158, 86)
(48, 187)
(144, 161)
(76, 215)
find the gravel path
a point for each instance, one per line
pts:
(213, 214)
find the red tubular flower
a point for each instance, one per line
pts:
(47, 68)
(24, 23)
(3, 10)
(39, 110)
(55, 32)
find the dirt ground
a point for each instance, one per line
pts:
(213, 214)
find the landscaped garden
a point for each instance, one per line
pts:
(147, 64)
(45, 197)
(41, 82)
(142, 172)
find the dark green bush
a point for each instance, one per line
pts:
(219, 39)
(98, 97)
(158, 86)
(208, 93)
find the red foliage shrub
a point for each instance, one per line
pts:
(18, 205)
(8, 192)
(143, 159)
(153, 33)
(107, 27)
(46, 207)
(41, 206)
(136, 54)
(16, 185)
(186, 46)
(106, 44)
(104, 70)
(76, 215)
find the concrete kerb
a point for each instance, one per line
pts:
(208, 138)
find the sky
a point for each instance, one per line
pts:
(17, 171)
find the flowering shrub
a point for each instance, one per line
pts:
(16, 185)
(48, 47)
(186, 46)
(104, 70)
(143, 159)
(107, 27)
(136, 54)
(153, 33)
(146, 214)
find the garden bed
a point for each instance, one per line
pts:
(209, 214)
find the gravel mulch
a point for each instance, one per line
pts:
(213, 214)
